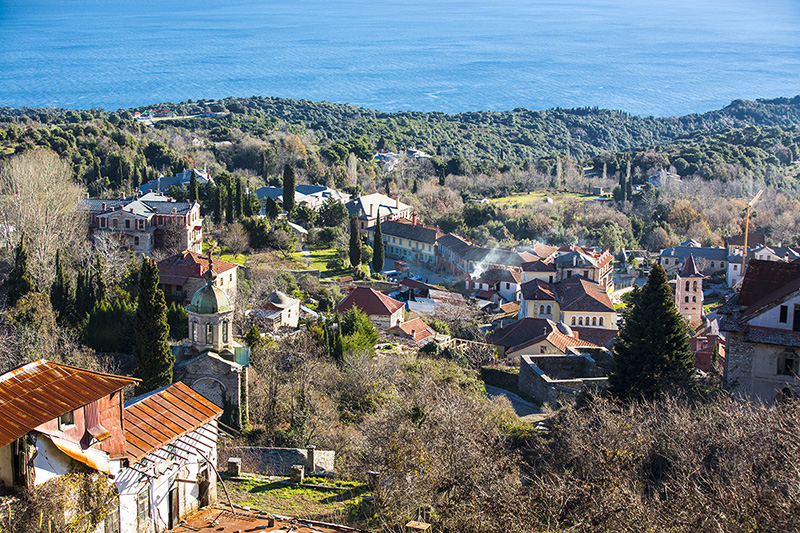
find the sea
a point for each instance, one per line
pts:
(646, 57)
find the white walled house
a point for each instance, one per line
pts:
(171, 449)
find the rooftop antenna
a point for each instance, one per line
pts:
(747, 227)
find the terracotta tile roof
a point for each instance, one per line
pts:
(538, 266)
(370, 301)
(510, 308)
(580, 294)
(163, 416)
(188, 265)
(528, 331)
(38, 392)
(416, 329)
(690, 269)
(599, 336)
(220, 519)
(537, 289)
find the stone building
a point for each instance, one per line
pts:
(212, 362)
(689, 293)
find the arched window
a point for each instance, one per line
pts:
(686, 299)
(687, 285)
(209, 334)
(694, 299)
(541, 309)
(600, 322)
(694, 286)
(594, 320)
(225, 332)
(580, 321)
(549, 309)
(194, 331)
(573, 321)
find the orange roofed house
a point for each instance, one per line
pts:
(55, 417)
(383, 311)
(180, 275)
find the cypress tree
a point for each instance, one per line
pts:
(218, 204)
(271, 208)
(229, 214)
(622, 185)
(355, 243)
(288, 189)
(628, 182)
(154, 360)
(19, 280)
(248, 205)
(253, 337)
(84, 296)
(58, 289)
(239, 199)
(652, 351)
(193, 188)
(99, 287)
(377, 248)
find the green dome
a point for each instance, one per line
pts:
(210, 300)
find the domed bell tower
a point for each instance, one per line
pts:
(211, 317)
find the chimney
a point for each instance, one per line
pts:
(370, 210)
(311, 465)
(397, 203)
(86, 195)
(104, 206)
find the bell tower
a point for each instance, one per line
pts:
(689, 293)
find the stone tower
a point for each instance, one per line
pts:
(212, 362)
(689, 293)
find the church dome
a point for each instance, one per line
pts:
(280, 299)
(210, 300)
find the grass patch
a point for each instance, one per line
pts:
(318, 259)
(333, 504)
(712, 304)
(537, 197)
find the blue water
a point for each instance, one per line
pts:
(649, 57)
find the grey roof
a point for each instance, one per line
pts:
(404, 230)
(682, 252)
(381, 205)
(163, 183)
(453, 243)
(150, 204)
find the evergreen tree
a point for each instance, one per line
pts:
(355, 243)
(622, 185)
(99, 287)
(253, 337)
(652, 351)
(229, 213)
(59, 289)
(193, 188)
(218, 204)
(239, 205)
(247, 210)
(84, 298)
(154, 360)
(19, 280)
(628, 182)
(378, 255)
(178, 320)
(288, 189)
(271, 208)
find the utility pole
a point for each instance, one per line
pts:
(747, 228)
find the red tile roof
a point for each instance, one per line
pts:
(528, 331)
(690, 269)
(189, 265)
(416, 329)
(165, 416)
(38, 392)
(370, 301)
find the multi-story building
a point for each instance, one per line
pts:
(575, 301)
(594, 265)
(145, 223)
(368, 208)
(408, 239)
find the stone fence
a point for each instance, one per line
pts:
(278, 461)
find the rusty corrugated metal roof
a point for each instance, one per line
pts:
(38, 392)
(164, 416)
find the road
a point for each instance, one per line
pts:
(525, 410)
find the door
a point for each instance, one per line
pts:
(174, 508)
(796, 321)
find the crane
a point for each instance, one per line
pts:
(747, 227)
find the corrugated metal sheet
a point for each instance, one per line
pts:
(163, 417)
(41, 391)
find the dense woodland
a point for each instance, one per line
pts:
(685, 459)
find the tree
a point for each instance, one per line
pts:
(253, 337)
(218, 204)
(100, 289)
(332, 213)
(19, 280)
(39, 197)
(236, 238)
(239, 204)
(60, 291)
(271, 208)
(378, 255)
(154, 360)
(355, 243)
(229, 212)
(193, 189)
(288, 189)
(652, 351)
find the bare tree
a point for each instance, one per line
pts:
(236, 238)
(39, 197)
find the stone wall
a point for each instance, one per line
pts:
(276, 461)
(563, 378)
(738, 377)
(220, 381)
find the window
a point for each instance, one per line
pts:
(194, 332)
(687, 285)
(66, 421)
(787, 363)
(115, 222)
(224, 332)
(686, 299)
(712, 264)
(594, 320)
(541, 309)
(580, 321)
(136, 241)
(736, 267)
(102, 223)
(140, 224)
(569, 273)
(508, 285)
(600, 322)
(666, 261)
(573, 321)
(551, 279)
(694, 286)
(549, 309)
(127, 224)
(209, 334)
(585, 273)
(784, 318)
(542, 349)
(143, 504)
(694, 299)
